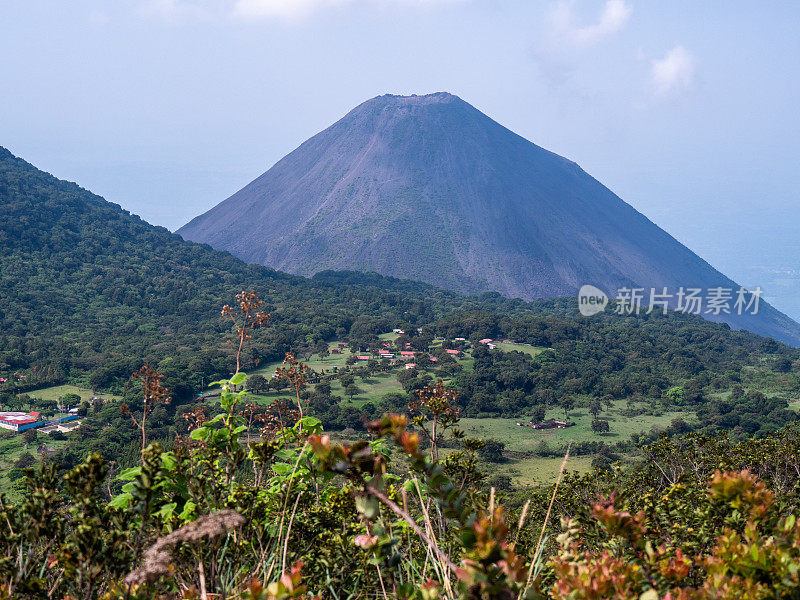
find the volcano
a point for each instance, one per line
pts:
(431, 189)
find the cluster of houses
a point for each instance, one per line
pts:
(403, 355)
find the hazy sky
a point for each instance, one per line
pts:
(688, 110)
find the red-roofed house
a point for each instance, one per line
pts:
(433, 359)
(410, 366)
(407, 353)
(454, 352)
(19, 421)
(363, 357)
(486, 340)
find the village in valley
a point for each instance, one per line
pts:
(361, 379)
(350, 381)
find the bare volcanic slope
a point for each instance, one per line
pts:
(429, 188)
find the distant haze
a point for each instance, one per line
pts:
(687, 110)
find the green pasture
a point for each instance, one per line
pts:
(53, 393)
(525, 439)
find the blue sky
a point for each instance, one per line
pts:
(687, 110)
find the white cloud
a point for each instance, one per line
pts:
(294, 9)
(613, 18)
(673, 72)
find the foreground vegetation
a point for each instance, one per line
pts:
(259, 502)
(370, 480)
(297, 514)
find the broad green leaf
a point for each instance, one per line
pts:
(166, 511)
(200, 433)
(122, 501)
(310, 422)
(282, 468)
(130, 473)
(188, 511)
(169, 461)
(287, 455)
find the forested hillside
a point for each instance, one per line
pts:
(303, 494)
(88, 292)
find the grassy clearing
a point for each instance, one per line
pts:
(373, 389)
(315, 362)
(52, 393)
(524, 348)
(525, 439)
(542, 471)
(12, 446)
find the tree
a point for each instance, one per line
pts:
(70, 400)
(25, 460)
(346, 379)
(600, 426)
(675, 394)
(567, 403)
(29, 436)
(352, 390)
(250, 319)
(538, 413)
(408, 379)
(257, 384)
(435, 406)
(321, 349)
(492, 451)
(595, 408)
(153, 394)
